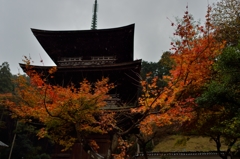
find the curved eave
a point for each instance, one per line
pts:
(136, 65)
(119, 66)
(41, 32)
(3, 144)
(34, 67)
(117, 42)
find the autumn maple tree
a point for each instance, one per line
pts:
(202, 95)
(194, 52)
(205, 76)
(217, 95)
(68, 113)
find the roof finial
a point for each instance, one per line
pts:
(94, 18)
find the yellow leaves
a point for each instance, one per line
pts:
(106, 121)
(5, 99)
(123, 146)
(42, 133)
(52, 70)
(67, 142)
(85, 87)
(155, 103)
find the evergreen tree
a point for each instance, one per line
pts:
(6, 84)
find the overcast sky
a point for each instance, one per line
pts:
(153, 30)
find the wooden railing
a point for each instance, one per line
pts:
(78, 61)
(190, 153)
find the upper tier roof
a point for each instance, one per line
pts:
(118, 42)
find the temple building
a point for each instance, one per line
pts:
(92, 55)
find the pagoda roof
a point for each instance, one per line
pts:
(118, 42)
(119, 66)
(3, 144)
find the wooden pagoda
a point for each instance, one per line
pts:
(91, 55)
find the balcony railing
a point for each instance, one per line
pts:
(187, 153)
(94, 60)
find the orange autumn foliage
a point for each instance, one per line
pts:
(193, 52)
(123, 146)
(64, 111)
(194, 55)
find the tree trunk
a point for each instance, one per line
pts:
(13, 142)
(227, 153)
(144, 151)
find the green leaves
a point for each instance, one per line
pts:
(6, 84)
(219, 103)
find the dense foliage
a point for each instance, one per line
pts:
(219, 114)
(20, 138)
(67, 113)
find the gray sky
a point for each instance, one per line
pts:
(153, 30)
